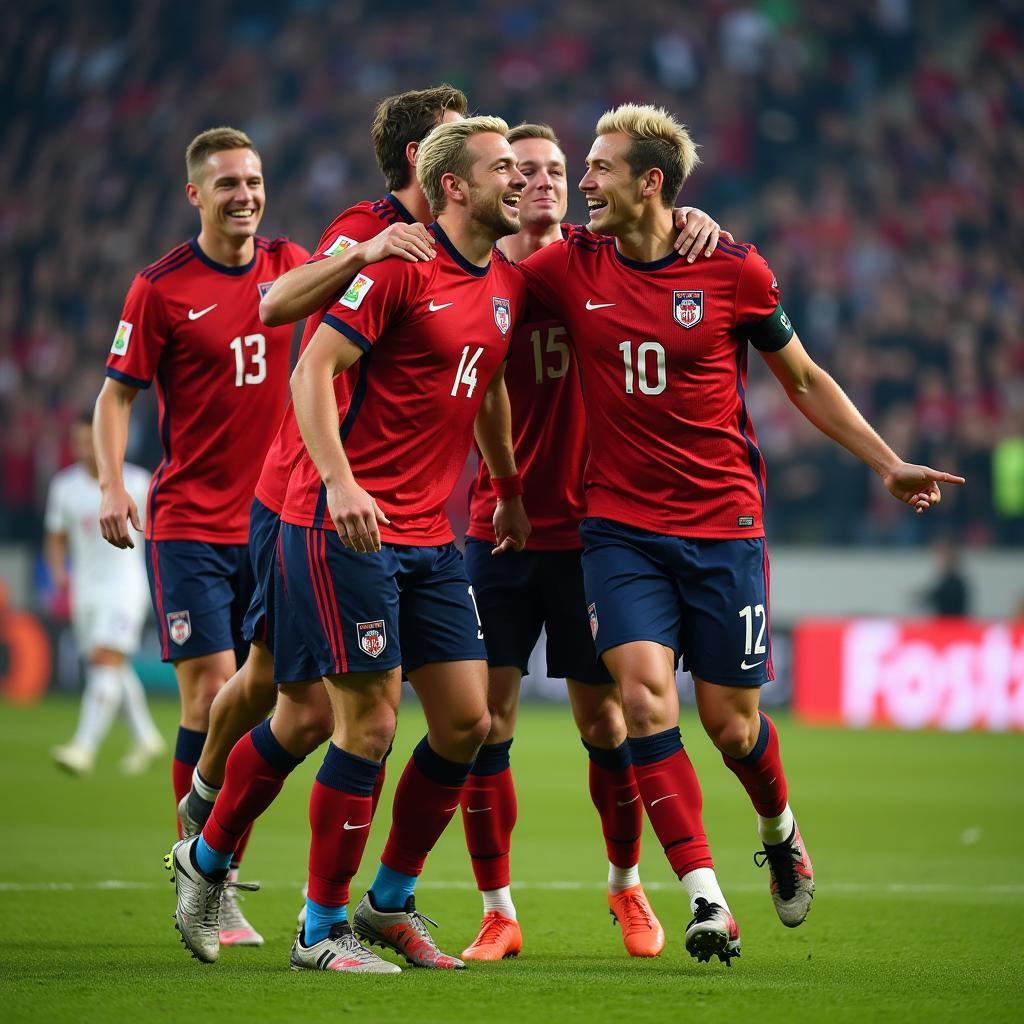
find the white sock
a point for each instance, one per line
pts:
(203, 788)
(776, 830)
(702, 882)
(622, 878)
(136, 710)
(500, 900)
(100, 701)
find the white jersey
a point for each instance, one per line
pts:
(100, 573)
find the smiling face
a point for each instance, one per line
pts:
(546, 195)
(229, 194)
(495, 186)
(614, 196)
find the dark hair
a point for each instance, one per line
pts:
(409, 117)
(533, 131)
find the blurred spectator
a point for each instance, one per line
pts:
(949, 594)
(873, 150)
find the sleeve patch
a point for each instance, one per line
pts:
(770, 334)
(356, 291)
(122, 337)
(340, 244)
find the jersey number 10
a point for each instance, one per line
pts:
(641, 375)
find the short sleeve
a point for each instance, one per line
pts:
(140, 336)
(53, 518)
(373, 302)
(760, 318)
(346, 230)
(544, 273)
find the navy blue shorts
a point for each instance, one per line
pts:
(705, 599)
(404, 605)
(200, 595)
(263, 528)
(520, 592)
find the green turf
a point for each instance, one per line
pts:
(916, 839)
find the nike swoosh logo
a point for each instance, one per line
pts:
(660, 798)
(448, 810)
(598, 305)
(477, 810)
(193, 315)
(626, 803)
(746, 667)
(435, 308)
(351, 828)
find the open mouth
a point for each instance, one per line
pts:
(512, 201)
(242, 214)
(596, 206)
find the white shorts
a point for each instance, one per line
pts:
(110, 624)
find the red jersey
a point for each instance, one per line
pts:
(662, 350)
(549, 436)
(357, 224)
(221, 377)
(433, 335)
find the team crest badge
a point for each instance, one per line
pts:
(179, 625)
(502, 314)
(592, 612)
(373, 638)
(263, 287)
(688, 308)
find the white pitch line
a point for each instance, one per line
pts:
(839, 888)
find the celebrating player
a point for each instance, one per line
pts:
(543, 587)
(374, 581)
(674, 554)
(108, 599)
(191, 321)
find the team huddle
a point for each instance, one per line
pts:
(301, 567)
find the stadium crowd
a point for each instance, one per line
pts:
(873, 150)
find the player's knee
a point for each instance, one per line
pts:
(606, 728)
(644, 710)
(308, 730)
(732, 734)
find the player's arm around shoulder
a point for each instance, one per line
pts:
(306, 288)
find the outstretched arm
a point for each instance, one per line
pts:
(826, 405)
(110, 438)
(493, 429)
(355, 513)
(304, 289)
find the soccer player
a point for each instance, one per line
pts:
(674, 554)
(542, 587)
(191, 321)
(361, 235)
(375, 587)
(108, 608)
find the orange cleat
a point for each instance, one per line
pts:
(641, 931)
(499, 939)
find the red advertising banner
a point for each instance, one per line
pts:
(929, 674)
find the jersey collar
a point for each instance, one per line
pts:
(469, 268)
(400, 209)
(220, 267)
(665, 261)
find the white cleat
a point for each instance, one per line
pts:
(712, 932)
(235, 930)
(142, 755)
(186, 823)
(340, 951)
(73, 758)
(197, 913)
(404, 931)
(791, 880)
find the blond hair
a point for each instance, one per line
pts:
(658, 140)
(213, 140)
(446, 151)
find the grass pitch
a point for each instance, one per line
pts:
(916, 840)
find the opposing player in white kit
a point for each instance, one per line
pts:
(109, 602)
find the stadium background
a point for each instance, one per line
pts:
(872, 149)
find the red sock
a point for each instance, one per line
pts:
(617, 799)
(240, 848)
(671, 796)
(256, 770)
(379, 784)
(428, 794)
(489, 816)
(187, 750)
(761, 772)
